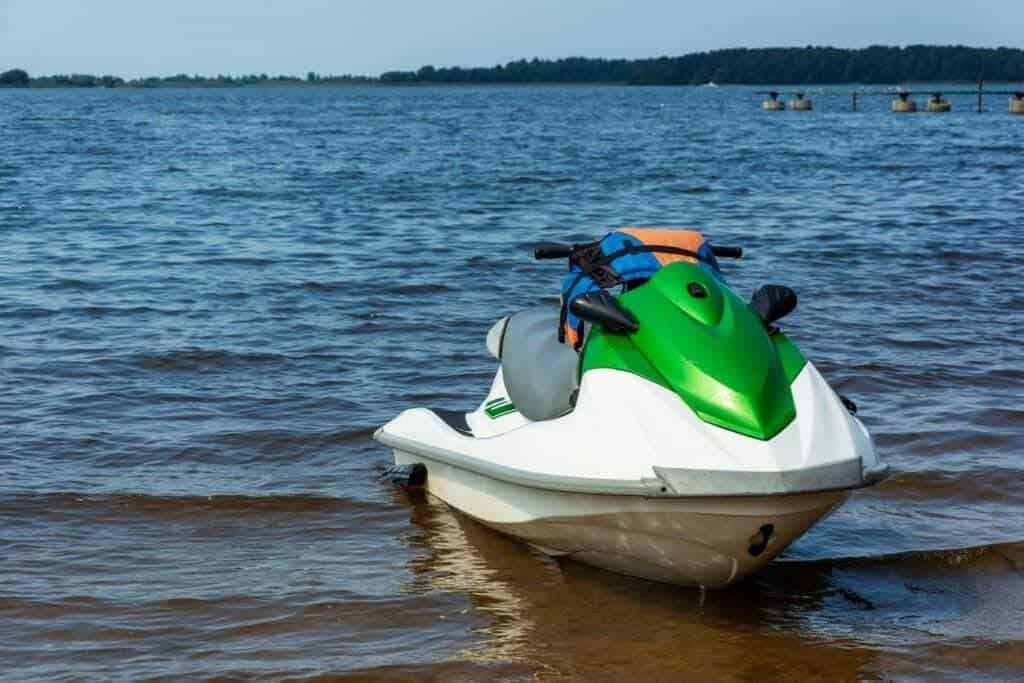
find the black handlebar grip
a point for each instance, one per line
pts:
(550, 250)
(727, 252)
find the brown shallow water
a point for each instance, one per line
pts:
(911, 615)
(210, 299)
(470, 604)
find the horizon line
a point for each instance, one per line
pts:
(535, 59)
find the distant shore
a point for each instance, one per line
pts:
(803, 66)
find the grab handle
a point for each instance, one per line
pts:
(727, 252)
(551, 250)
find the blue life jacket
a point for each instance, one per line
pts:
(627, 257)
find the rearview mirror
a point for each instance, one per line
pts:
(604, 309)
(773, 302)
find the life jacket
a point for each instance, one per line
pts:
(627, 257)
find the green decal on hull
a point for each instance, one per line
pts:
(712, 350)
(497, 407)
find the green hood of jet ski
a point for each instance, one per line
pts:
(700, 340)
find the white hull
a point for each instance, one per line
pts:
(634, 481)
(693, 541)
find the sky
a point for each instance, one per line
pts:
(132, 38)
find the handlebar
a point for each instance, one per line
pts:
(727, 252)
(551, 250)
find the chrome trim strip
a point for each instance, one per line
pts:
(551, 482)
(845, 474)
(669, 482)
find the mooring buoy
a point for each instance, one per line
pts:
(903, 104)
(938, 104)
(772, 103)
(1017, 103)
(800, 103)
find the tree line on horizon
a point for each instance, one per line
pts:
(740, 66)
(19, 78)
(751, 66)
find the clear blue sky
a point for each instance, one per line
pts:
(141, 37)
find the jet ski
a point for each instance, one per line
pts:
(654, 424)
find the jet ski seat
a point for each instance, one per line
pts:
(541, 373)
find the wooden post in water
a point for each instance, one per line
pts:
(979, 94)
(855, 100)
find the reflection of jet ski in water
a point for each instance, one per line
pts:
(670, 431)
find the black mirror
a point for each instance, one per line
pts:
(604, 309)
(773, 302)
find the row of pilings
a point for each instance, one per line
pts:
(902, 103)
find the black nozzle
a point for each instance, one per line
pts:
(551, 250)
(727, 252)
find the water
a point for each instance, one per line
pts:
(209, 300)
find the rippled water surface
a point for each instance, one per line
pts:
(209, 300)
